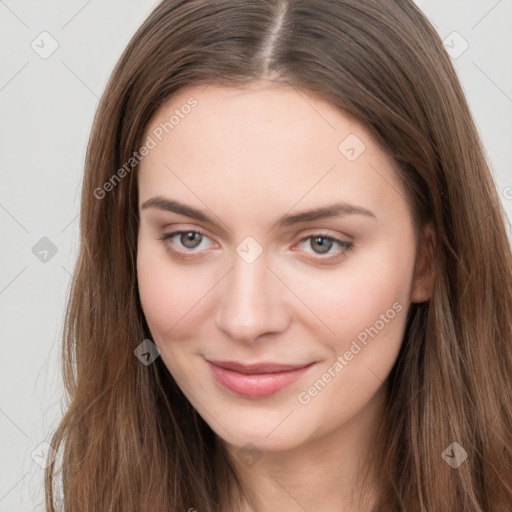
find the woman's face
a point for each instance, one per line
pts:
(245, 275)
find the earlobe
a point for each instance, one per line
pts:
(424, 273)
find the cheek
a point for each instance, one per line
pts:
(173, 302)
(369, 291)
(171, 298)
(367, 308)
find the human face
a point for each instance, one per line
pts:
(327, 294)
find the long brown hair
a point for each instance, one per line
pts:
(129, 438)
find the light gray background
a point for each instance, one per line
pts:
(47, 107)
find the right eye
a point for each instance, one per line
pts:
(185, 240)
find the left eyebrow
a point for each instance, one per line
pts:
(333, 210)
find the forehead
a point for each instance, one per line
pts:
(266, 112)
(264, 141)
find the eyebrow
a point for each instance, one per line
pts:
(332, 210)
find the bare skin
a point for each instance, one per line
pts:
(246, 158)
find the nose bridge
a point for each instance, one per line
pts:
(250, 305)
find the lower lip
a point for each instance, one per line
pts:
(256, 385)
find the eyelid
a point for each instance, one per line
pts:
(344, 245)
(182, 255)
(328, 233)
(164, 237)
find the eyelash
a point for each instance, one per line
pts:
(165, 237)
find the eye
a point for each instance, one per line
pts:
(185, 240)
(182, 245)
(322, 244)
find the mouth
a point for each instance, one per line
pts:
(256, 380)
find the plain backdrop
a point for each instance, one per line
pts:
(56, 57)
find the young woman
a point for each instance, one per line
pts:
(294, 284)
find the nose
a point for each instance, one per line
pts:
(250, 303)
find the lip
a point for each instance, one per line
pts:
(256, 380)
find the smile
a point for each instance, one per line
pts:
(258, 380)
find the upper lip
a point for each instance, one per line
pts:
(255, 368)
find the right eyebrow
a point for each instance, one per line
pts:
(170, 205)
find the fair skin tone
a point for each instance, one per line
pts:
(245, 158)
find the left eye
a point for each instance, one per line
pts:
(322, 244)
(187, 239)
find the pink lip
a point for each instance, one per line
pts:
(256, 380)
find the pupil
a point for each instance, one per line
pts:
(189, 237)
(323, 243)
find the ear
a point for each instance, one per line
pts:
(424, 271)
